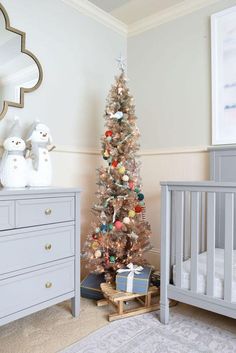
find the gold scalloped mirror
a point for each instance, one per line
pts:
(20, 70)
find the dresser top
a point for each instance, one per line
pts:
(37, 190)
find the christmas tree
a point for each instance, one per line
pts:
(120, 235)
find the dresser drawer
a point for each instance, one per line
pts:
(27, 290)
(44, 211)
(7, 215)
(35, 247)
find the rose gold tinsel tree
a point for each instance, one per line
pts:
(120, 235)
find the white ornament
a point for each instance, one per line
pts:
(13, 170)
(98, 254)
(103, 216)
(126, 220)
(125, 178)
(133, 236)
(118, 115)
(39, 163)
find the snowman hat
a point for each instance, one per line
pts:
(15, 130)
(34, 127)
(31, 129)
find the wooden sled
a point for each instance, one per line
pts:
(118, 300)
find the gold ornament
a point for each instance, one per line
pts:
(131, 213)
(95, 245)
(121, 170)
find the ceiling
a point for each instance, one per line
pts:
(130, 11)
(109, 5)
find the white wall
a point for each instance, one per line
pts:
(78, 58)
(170, 76)
(77, 55)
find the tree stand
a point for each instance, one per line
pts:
(118, 299)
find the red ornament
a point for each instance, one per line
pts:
(118, 225)
(114, 164)
(108, 133)
(107, 261)
(131, 185)
(138, 209)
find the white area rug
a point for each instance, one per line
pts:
(187, 332)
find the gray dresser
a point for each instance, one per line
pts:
(39, 250)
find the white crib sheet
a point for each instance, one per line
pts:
(219, 273)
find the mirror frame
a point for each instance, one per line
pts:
(23, 90)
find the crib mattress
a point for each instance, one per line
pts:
(202, 270)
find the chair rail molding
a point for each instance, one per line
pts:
(155, 251)
(144, 152)
(87, 8)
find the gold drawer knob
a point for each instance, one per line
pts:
(48, 285)
(48, 211)
(48, 247)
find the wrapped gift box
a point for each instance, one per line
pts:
(90, 286)
(156, 278)
(140, 281)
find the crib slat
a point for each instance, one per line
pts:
(186, 226)
(179, 237)
(165, 252)
(228, 254)
(202, 241)
(195, 214)
(211, 231)
(173, 228)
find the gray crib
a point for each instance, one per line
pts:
(198, 239)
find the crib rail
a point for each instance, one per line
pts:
(189, 225)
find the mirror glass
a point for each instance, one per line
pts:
(20, 71)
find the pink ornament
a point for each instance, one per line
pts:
(118, 225)
(131, 185)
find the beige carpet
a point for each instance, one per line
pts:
(52, 329)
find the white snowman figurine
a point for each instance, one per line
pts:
(13, 167)
(39, 162)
